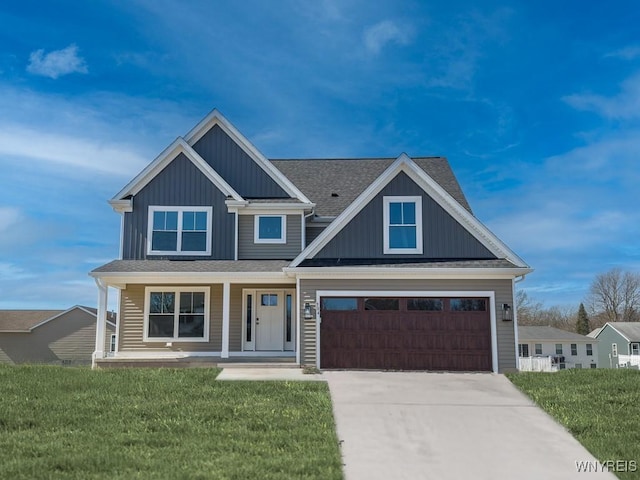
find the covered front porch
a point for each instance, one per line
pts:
(199, 320)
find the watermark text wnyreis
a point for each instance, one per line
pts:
(588, 466)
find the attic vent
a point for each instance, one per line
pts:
(334, 194)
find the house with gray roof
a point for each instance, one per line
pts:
(60, 337)
(619, 344)
(544, 348)
(367, 263)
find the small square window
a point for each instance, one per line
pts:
(270, 229)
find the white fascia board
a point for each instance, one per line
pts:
(216, 118)
(399, 273)
(179, 278)
(434, 190)
(166, 157)
(461, 214)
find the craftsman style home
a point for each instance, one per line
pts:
(336, 263)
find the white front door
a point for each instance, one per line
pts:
(269, 321)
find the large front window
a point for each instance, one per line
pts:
(176, 314)
(179, 231)
(402, 224)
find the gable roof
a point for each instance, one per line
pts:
(216, 118)
(161, 161)
(542, 333)
(333, 184)
(629, 330)
(25, 321)
(405, 164)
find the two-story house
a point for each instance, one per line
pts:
(341, 263)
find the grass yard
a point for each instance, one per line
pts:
(601, 408)
(160, 423)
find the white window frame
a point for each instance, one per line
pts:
(180, 210)
(386, 201)
(176, 314)
(537, 351)
(589, 349)
(256, 230)
(635, 348)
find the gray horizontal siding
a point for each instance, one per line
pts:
(502, 289)
(236, 167)
(70, 338)
(248, 250)
(179, 184)
(443, 236)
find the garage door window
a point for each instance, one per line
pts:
(339, 304)
(381, 304)
(468, 305)
(425, 304)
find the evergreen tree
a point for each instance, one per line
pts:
(582, 323)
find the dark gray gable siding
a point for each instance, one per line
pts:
(443, 236)
(236, 167)
(179, 184)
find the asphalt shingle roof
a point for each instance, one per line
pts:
(24, 320)
(164, 266)
(529, 333)
(333, 184)
(631, 330)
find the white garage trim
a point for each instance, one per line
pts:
(491, 295)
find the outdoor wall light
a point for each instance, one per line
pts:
(506, 312)
(307, 311)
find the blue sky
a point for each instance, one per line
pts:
(535, 104)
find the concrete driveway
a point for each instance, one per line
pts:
(414, 425)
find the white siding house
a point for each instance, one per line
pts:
(548, 349)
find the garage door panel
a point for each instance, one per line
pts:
(406, 340)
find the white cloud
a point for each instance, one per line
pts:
(8, 217)
(10, 272)
(627, 53)
(61, 149)
(56, 63)
(624, 105)
(382, 33)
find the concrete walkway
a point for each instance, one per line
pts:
(265, 373)
(413, 425)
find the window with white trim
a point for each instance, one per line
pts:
(538, 348)
(635, 349)
(179, 230)
(176, 314)
(402, 229)
(589, 349)
(270, 229)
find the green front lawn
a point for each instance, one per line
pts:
(601, 408)
(161, 423)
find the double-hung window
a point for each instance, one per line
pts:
(179, 230)
(176, 314)
(402, 230)
(270, 229)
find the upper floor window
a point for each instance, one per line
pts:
(402, 218)
(270, 229)
(179, 230)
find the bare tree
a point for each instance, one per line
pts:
(616, 296)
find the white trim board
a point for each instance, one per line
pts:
(165, 158)
(414, 293)
(216, 118)
(404, 164)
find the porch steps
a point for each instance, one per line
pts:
(198, 362)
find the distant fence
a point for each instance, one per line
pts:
(629, 361)
(537, 364)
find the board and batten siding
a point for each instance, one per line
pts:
(180, 184)
(248, 250)
(132, 323)
(234, 165)
(501, 287)
(442, 236)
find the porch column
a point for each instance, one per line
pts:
(101, 322)
(226, 304)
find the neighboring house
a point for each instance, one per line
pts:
(619, 344)
(549, 349)
(349, 263)
(66, 337)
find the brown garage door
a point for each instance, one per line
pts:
(406, 333)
